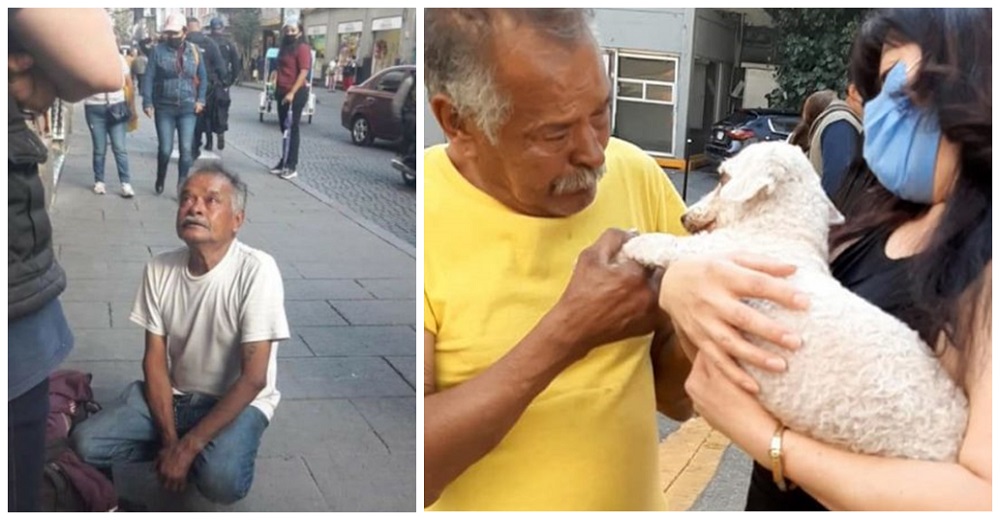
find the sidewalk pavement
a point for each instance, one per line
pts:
(343, 437)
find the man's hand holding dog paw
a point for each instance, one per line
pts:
(605, 300)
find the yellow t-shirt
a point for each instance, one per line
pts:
(589, 441)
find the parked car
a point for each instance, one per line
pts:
(747, 126)
(367, 110)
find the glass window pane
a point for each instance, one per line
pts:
(633, 90)
(648, 126)
(641, 68)
(660, 93)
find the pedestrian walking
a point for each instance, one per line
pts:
(218, 77)
(108, 115)
(218, 107)
(350, 72)
(291, 94)
(174, 92)
(139, 70)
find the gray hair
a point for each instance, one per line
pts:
(460, 62)
(215, 167)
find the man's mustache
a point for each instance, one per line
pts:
(191, 219)
(580, 180)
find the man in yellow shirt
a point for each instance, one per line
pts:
(539, 372)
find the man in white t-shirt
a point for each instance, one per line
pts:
(213, 313)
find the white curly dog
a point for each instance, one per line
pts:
(862, 380)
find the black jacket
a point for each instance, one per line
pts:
(34, 278)
(215, 66)
(230, 57)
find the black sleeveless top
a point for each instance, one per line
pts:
(863, 269)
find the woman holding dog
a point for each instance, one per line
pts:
(921, 252)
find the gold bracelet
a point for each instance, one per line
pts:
(777, 470)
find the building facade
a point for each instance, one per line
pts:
(674, 72)
(377, 38)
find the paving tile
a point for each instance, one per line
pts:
(311, 314)
(359, 341)
(394, 419)
(391, 288)
(318, 378)
(348, 480)
(377, 312)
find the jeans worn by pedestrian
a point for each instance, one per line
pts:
(298, 104)
(170, 120)
(125, 432)
(100, 129)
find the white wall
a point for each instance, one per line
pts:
(759, 83)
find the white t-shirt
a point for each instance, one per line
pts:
(110, 98)
(207, 318)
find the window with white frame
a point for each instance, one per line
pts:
(644, 101)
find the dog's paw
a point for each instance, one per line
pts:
(650, 249)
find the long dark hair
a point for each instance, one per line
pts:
(955, 80)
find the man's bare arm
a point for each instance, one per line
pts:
(159, 392)
(464, 423)
(252, 380)
(671, 368)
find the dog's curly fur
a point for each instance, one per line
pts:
(862, 380)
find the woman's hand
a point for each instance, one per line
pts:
(703, 298)
(729, 409)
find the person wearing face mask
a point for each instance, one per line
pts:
(291, 92)
(921, 250)
(174, 94)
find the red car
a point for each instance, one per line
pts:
(367, 111)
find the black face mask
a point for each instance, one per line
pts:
(289, 39)
(175, 43)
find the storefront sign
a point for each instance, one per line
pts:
(350, 27)
(316, 30)
(387, 24)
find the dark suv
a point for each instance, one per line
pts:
(747, 126)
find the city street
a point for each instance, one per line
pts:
(343, 436)
(360, 179)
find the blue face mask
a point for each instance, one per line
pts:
(901, 140)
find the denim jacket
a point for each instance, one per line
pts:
(167, 85)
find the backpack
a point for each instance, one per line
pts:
(71, 400)
(197, 61)
(68, 483)
(71, 485)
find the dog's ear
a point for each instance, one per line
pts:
(745, 187)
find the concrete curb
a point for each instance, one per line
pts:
(688, 460)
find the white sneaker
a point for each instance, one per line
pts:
(99, 188)
(127, 190)
(278, 170)
(289, 174)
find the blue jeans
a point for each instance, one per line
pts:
(170, 120)
(125, 432)
(100, 129)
